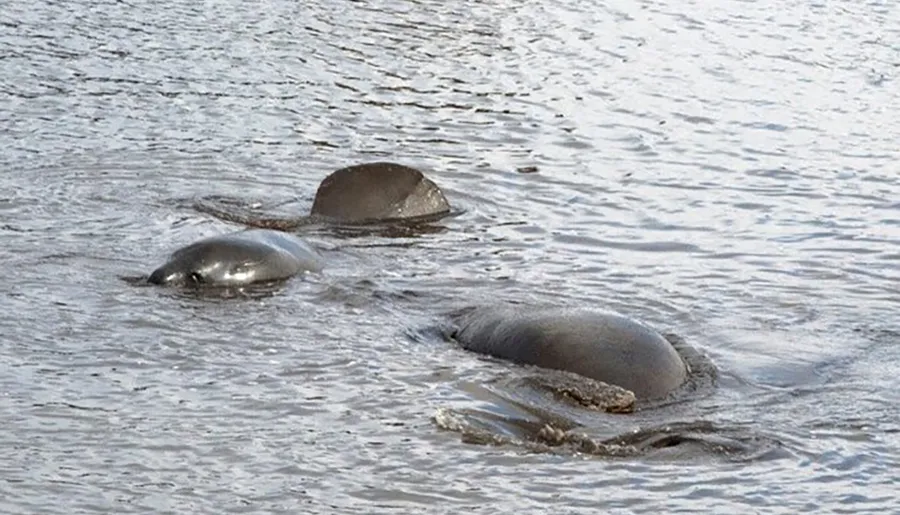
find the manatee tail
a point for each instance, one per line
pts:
(230, 211)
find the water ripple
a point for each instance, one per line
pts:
(726, 172)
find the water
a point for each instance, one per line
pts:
(728, 173)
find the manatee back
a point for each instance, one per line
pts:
(603, 346)
(378, 191)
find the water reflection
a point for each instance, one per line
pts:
(725, 172)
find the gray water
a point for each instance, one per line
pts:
(725, 171)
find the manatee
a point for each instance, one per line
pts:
(236, 259)
(356, 195)
(378, 191)
(603, 346)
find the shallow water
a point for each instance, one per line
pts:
(728, 173)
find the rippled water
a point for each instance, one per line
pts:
(726, 172)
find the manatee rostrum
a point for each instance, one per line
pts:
(237, 259)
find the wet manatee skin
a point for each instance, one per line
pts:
(237, 259)
(600, 345)
(378, 191)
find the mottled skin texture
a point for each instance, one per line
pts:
(355, 195)
(593, 395)
(238, 259)
(603, 346)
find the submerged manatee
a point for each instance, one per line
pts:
(603, 346)
(378, 191)
(237, 259)
(360, 194)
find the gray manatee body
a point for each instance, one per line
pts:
(603, 346)
(237, 259)
(378, 191)
(363, 194)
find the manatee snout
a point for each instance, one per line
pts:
(170, 274)
(238, 259)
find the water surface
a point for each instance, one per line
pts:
(727, 173)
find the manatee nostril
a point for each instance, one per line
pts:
(157, 277)
(667, 441)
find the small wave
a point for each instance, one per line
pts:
(694, 440)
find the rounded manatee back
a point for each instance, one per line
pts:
(378, 191)
(603, 346)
